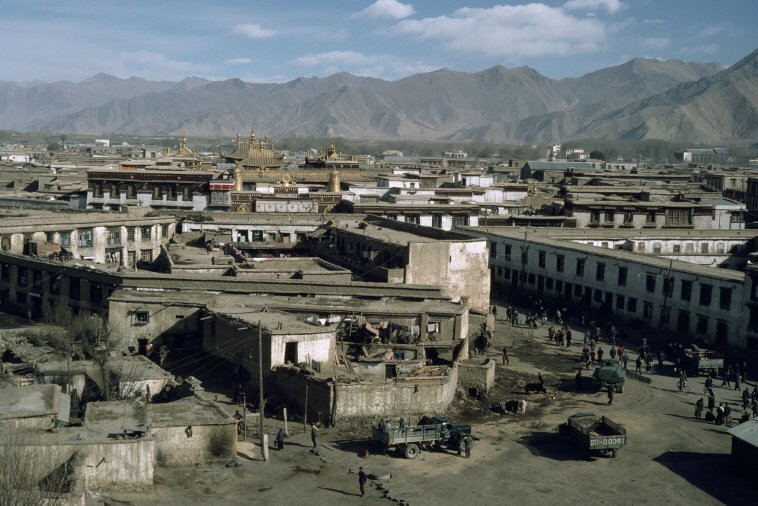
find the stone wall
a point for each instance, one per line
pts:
(477, 374)
(175, 446)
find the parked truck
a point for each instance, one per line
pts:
(434, 432)
(695, 360)
(610, 372)
(594, 434)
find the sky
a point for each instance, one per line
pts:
(275, 41)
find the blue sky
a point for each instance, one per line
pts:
(280, 40)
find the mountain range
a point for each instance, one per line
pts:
(640, 99)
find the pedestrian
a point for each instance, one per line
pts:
(699, 408)
(745, 398)
(362, 479)
(638, 365)
(727, 376)
(711, 401)
(579, 380)
(467, 443)
(314, 434)
(568, 338)
(506, 361)
(727, 413)
(600, 353)
(755, 408)
(613, 352)
(737, 384)
(280, 439)
(625, 359)
(611, 393)
(708, 384)
(237, 416)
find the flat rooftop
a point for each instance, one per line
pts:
(393, 232)
(29, 401)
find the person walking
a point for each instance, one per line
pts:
(314, 434)
(506, 362)
(467, 443)
(362, 479)
(611, 393)
(699, 408)
(280, 439)
(708, 384)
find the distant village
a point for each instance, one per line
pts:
(339, 287)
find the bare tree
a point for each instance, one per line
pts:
(20, 480)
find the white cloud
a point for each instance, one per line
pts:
(656, 42)
(253, 31)
(238, 61)
(593, 5)
(387, 9)
(511, 30)
(655, 21)
(151, 63)
(381, 66)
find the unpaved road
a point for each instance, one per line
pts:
(670, 458)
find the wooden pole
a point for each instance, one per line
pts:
(261, 402)
(286, 430)
(305, 411)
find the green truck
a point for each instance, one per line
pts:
(594, 434)
(434, 432)
(610, 372)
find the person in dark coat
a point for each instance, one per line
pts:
(362, 479)
(699, 408)
(611, 393)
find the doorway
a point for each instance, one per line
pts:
(290, 353)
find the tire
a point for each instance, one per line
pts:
(620, 389)
(615, 453)
(411, 451)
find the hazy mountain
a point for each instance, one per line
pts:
(643, 98)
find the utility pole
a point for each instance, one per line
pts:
(261, 403)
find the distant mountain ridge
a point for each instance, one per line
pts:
(640, 99)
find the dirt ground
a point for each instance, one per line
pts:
(671, 458)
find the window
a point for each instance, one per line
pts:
(683, 321)
(507, 273)
(678, 217)
(142, 317)
(677, 249)
(647, 310)
(507, 252)
(668, 286)
(609, 216)
(542, 256)
(597, 296)
(558, 285)
(130, 233)
(725, 298)
(704, 248)
(146, 255)
(560, 262)
(665, 315)
(460, 220)
(702, 324)
(50, 237)
(131, 191)
(413, 219)
(65, 239)
(631, 305)
(622, 276)
(84, 239)
(720, 248)
(437, 220)
(600, 272)
(656, 247)
(493, 250)
(156, 192)
(145, 233)
(580, 266)
(113, 236)
(595, 216)
(549, 283)
(170, 193)
(628, 218)
(186, 193)
(706, 292)
(650, 217)
(115, 192)
(686, 292)
(689, 248)
(650, 283)
(620, 300)
(641, 247)
(532, 278)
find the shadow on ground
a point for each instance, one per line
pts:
(714, 473)
(552, 445)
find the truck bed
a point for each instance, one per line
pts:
(596, 433)
(392, 436)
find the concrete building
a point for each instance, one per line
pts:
(694, 302)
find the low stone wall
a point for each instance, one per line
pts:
(189, 445)
(396, 398)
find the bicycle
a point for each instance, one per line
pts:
(683, 386)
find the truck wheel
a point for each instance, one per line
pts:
(615, 453)
(411, 451)
(620, 389)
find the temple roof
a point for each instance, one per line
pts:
(255, 154)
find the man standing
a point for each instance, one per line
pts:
(699, 408)
(314, 434)
(506, 362)
(467, 442)
(708, 384)
(611, 393)
(362, 479)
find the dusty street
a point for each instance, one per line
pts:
(670, 458)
